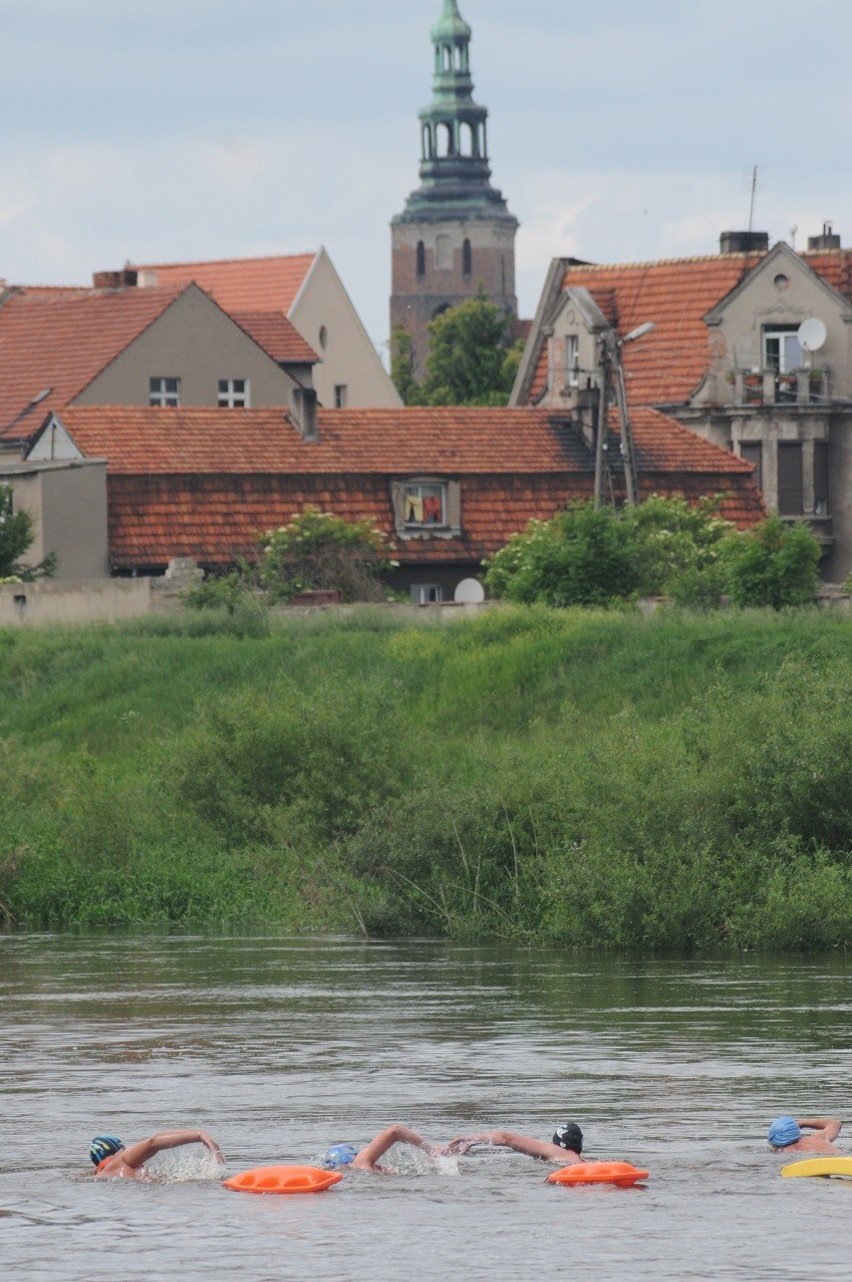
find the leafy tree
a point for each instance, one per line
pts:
(589, 556)
(774, 564)
(583, 556)
(402, 367)
(470, 359)
(17, 531)
(320, 550)
(680, 548)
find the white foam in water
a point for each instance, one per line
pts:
(189, 1162)
(404, 1159)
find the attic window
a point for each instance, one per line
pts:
(426, 505)
(233, 393)
(164, 392)
(572, 360)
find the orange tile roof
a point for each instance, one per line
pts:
(58, 341)
(240, 284)
(276, 335)
(665, 366)
(205, 483)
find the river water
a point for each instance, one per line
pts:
(281, 1046)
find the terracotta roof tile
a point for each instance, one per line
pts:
(205, 483)
(276, 335)
(56, 341)
(238, 284)
(666, 365)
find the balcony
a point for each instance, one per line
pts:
(770, 387)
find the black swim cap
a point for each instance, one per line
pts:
(569, 1136)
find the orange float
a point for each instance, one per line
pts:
(620, 1173)
(283, 1179)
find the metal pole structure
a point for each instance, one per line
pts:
(603, 419)
(628, 453)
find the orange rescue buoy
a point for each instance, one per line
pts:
(620, 1173)
(283, 1179)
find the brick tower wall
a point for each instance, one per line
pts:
(416, 300)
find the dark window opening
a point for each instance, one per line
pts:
(467, 258)
(790, 497)
(752, 452)
(421, 258)
(821, 478)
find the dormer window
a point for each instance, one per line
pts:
(572, 360)
(164, 392)
(782, 351)
(426, 505)
(233, 394)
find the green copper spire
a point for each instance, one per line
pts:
(454, 171)
(451, 25)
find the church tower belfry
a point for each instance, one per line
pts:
(456, 233)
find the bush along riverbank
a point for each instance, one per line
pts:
(567, 778)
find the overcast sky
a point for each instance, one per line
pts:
(171, 130)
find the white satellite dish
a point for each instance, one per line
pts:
(812, 334)
(469, 592)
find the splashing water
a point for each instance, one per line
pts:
(190, 1162)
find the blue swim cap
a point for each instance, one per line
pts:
(783, 1131)
(339, 1155)
(104, 1146)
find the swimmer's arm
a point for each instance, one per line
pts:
(368, 1156)
(136, 1155)
(830, 1125)
(520, 1143)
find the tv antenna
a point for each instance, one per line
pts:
(753, 194)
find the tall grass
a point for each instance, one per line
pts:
(576, 778)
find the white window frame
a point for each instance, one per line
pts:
(427, 593)
(789, 353)
(414, 493)
(341, 396)
(572, 360)
(164, 391)
(233, 394)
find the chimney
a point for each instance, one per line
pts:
(303, 412)
(744, 242)
(828, 240)
(126, 278)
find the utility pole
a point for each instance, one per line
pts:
(631, 478)
(610, 364)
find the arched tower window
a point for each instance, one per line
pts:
(469, 146)
(467, 258)
(426, 141)
(421, 258)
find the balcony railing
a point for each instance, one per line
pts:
(769, 387)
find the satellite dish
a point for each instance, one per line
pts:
(812, 334)
(469, 592)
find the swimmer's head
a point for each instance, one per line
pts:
(339, 1155)
(569, 1136)
(103, 1146)
(783, 1131)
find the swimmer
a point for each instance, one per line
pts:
(785, 1134)
(565, 1148)
(112, 1158)
(367, 1158)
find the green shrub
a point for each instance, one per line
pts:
(320, 550)
(774, 564)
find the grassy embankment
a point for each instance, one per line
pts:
(554, 777)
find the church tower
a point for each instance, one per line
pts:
(455, 233)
